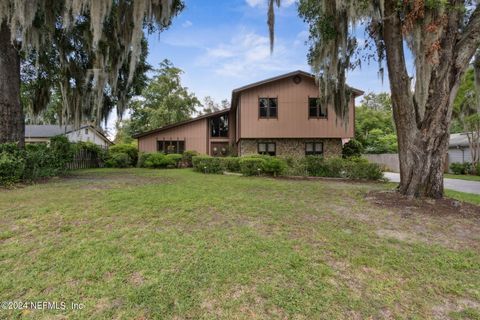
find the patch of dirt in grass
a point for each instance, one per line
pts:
(447, 307)
(446, 222)
(438, 207)
(105, 182)
(137, 279)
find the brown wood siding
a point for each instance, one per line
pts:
(194, 134)
(292, 115)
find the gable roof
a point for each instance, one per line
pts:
(177, 124)
(52, 130)
(45, 131)
(236, 92)
(458, 140)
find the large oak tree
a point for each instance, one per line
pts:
(104, 34)
(441, 35)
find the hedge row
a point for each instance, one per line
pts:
(34, 162)
(337, 167)
(249, 165)
(158, 160)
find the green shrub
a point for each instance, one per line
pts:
(362, 170)
(478, 169)
(11, 166)
(129, 149)
(251, 166)
(296, 166)
(142, 157)
(352, 148)
(207, 164)
(63, 151)
(231, 164)
(92, 148)
(118, 160)
(187, 157)
(42, 162)
(461, 168)
(173, 159)
(274, 166)
(317, 166)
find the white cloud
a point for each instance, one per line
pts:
(187, 24)
(248, 55)
(263, 3)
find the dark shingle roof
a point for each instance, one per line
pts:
(45, 131)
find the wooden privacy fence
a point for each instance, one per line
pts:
(84, 159)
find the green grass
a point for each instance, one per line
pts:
(175, 244)
(468, 177)
(463, 196)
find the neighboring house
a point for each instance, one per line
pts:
(459, 149)
(277, 116)
(43, 133)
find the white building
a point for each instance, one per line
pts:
(459, 149)
(87, 133)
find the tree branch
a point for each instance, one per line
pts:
(469, 40)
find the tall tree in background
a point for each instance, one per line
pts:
(442, 36)
(164, 101)
(112, 39)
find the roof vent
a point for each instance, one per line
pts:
(297, 79)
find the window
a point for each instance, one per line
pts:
(267, 148)
(313, 148)
(86, 131)
(219, 126)
(173, 146)
(316, 109)
(267, 107)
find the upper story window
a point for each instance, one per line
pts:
(267, 107)
(86, 130)
(219, 126)
(316, 109)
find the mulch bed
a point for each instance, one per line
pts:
(437, 207)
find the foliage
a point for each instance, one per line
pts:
(174, 159)
(187, 156)
(103, 41)
(231, 164)
(159, 160)
(207, 164)
(36, 161)
(11, 167)
(275, 166)
(130, 149)
(351, 168)
(461, 168)
(209, 105)
(374, 127)
(352, 148)
(164, 101)
(118, 160)
(252, 166)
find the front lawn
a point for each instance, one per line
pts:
(175, 244)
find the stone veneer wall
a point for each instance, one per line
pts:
(292, 147)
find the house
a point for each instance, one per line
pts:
(459, 149)
(276, 116)
(43, 133)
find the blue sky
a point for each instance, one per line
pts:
(223, 44)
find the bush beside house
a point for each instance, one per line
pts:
(317, 166)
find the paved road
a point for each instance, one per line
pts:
(452, 184)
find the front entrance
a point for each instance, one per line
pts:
(219, 149)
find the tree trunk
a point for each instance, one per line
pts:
(12, 126)
(422, 136)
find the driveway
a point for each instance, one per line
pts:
(452, 184)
